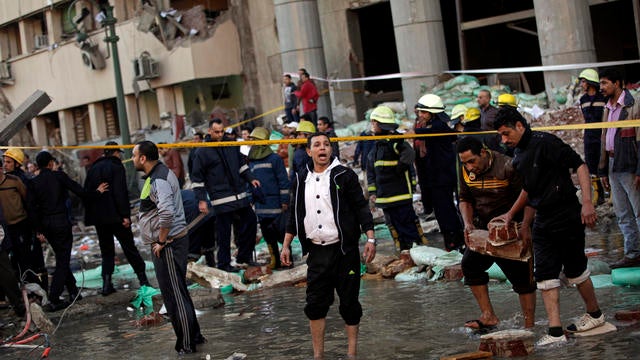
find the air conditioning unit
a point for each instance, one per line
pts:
(5, 71)
(93, 58)
(41, 41)
(145, 67)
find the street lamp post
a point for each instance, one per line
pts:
(112, 39)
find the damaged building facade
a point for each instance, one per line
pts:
(194, 57)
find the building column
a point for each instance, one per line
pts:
(67, 127)
(339, 49)
(97, 122)
(301, 44)
(133, 116)
(54, 25)
(166, 100)
(573, 20)
(39, 130)
(420, 43)
(178, 96)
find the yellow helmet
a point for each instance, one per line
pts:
(507, 100)
(590, 76)
(458, 111)
(430, 103)
(306, 127)
(385, 117)
(471, 115)
(260, 133)
(16, 154)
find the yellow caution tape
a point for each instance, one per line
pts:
(598, 125)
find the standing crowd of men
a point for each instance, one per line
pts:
(515, 176)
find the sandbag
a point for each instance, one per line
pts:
(425, 255)
(626, 276)
(412, 275)
(601, 281)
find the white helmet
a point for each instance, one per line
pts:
(431, 103)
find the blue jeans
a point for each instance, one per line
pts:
(626, 204)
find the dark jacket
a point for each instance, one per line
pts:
(50, 195)
(438, 167)
(592, 109)
(388, 171)
(221, 176)
(112, 206)
(626, 148)
(544, 162)
(274, 183)
(361, 153)
(350, 209)
(300, 160)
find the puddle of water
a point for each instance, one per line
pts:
(402, 320)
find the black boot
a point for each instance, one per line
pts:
(210, 259)
(142, 278)
(107, 286)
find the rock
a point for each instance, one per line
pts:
(379, 262)
(253, 274)
(508, 343)
(405, 256)
(474, 355)
(285, 277)
(394, 268)
(40, 319)
(206, 298)
(628, 315)
(152, 319)
(453, 273)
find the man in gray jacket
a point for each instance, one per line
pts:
(162, 224)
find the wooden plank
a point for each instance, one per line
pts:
(474, 355)
(19, 118)
(500, 19)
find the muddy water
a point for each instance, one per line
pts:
(401, 321)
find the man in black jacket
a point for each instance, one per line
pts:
(50, 196)
(111, 215)
(328, 212)
(220, 175)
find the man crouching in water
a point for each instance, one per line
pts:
(331, 241)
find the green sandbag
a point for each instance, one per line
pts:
(496, 273)
(601, 281)
(626, 276)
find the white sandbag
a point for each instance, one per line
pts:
(425, 255)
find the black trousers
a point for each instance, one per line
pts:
(9, 284)
(27, 254)
(106, 232)
(403, 218)
(57, 230)
(244, 220)
(171, 272)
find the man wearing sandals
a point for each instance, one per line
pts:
(490, 186)
(545, 163)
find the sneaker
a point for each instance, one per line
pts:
(550, 340)
(586, 322)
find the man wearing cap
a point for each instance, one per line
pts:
(49, 200)
(301, 158)
(388, 180)
(269, 169)
(436, 164)
(12, 161)
(220, 176)
(487, 111)
(457, 117)
(592, 105)
(111, 215)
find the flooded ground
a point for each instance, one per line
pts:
(410, 320)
